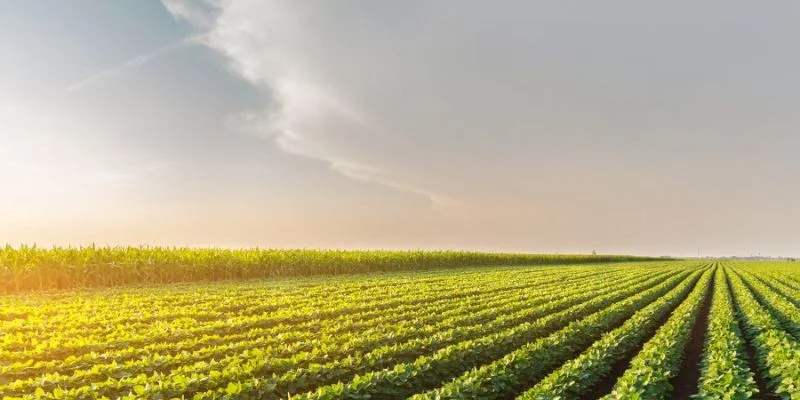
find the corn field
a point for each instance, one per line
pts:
(34, 268)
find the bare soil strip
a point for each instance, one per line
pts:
(685, 382)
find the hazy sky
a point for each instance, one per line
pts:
(560, 126)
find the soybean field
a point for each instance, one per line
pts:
(626, 330)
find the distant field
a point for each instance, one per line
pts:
(31, 268)
(670, 329)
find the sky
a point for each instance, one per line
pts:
(560, 127)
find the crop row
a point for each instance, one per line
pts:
(725, 373)
(512, 374)
(334, 335)
(99, 310)
(340, 343)
(428, 372)
(170, 336)
(580, 374)
(74, 341)
(290, 375)
(777, 352)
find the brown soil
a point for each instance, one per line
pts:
(685, 382)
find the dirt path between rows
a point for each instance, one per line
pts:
(685, 382)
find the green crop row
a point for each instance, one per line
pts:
(648, 376)
(508, 310)
(271, 378)
(165, 336)
(429, 372)
(777, 352)
(578, 375)
(511, 374)
(725, 373)
(313, 302)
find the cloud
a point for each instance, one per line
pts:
(309, 118)
(370, 174)
(275, 125)
(132, 63)
(199, 13)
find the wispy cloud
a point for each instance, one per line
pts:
(276, 125)
(370, 174)
(131, 63)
